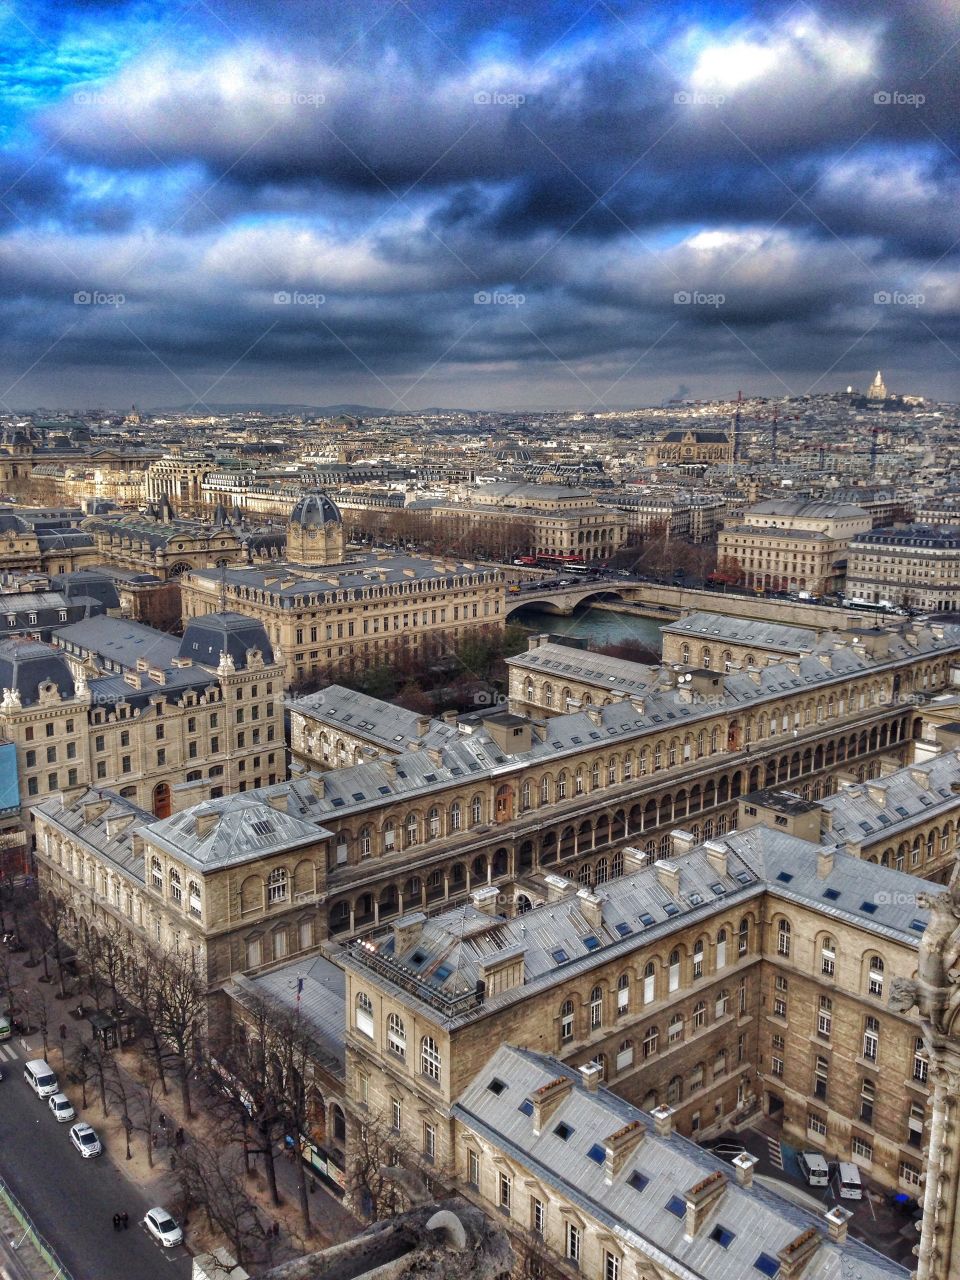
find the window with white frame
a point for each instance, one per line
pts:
(921, 1066)
(871, 1039)
(504, 1192)
(473, 1167)
(430, 1063)
(825, 1018)
(397, 1114)
(538, 1217)
(623, 993)
(277, 885)
(828, 957)
(429, 1141)
(363, 1015)
(698, 960)
(721, 948)
(783, 937)
(909, 1173)
(673, 972)
(875, 977)
(861, 1150)
(649, 982)
(573, 1242)
(596, 1008)
(566, 1020)
(396, 1035)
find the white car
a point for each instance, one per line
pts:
(84, 1138)
(62, 1107)
(162, 1227)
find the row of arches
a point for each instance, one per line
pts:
(555, 846)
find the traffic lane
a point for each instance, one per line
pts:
(71, 1200)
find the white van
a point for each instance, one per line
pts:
(848, 1175)
(814, 1169)
(41, 1077)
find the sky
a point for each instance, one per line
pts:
(492, 204)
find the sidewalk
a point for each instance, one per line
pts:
(331, 1222)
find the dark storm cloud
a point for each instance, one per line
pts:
(399, 162)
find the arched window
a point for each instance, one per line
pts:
(456, 816)
(651, 1039)
(871, 1038)
(396, 1035)
(596, 1008)
(616, 866)
(649, 982)
(193, 898)
(783, 937)
(548, 695)
(601, 1061)
(625, 1055)
(595, 775)
(156, 873)
(698, 958)
(722, 1003)
(525, 796)
(176, 886)
(875, 977)
(675, 1090)
(544, 790)
(413, 829)
(828, 957)
(601, 876)
(433, 823)
(623, 993)
(389, 836)
(277, 885)
(365, 842)
(675, 1029)
(430, 1063)
(566, 1020)
(363, 1017)
(699, 1014)
(673, 973)
(721, 948)
(561, 785)
(578, 782)
(476, 810)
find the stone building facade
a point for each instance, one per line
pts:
(166, 722)
(690, 448)
(792, 544)
(369, 611)
(730, 978)
(915, 566)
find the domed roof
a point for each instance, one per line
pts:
(25, 665)
(314, 510)
(208, 636)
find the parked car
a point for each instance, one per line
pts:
(84, 1138)
(162, 1227)
(62, 1108)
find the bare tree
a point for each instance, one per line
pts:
(142, 985)
(52, 918)
(213, 1178)
(38, 1014)
(180, 1013)
(376, 1149)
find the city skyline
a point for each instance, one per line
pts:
(557, 206)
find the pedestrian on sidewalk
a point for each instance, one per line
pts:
(125, 1219)
(116, 1222)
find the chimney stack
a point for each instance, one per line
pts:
(668, 874)
(717, 856)
(589, 906)
(681, 842)
(701, 1200)
(663, 1120)
(590, 1074)
(824, 864)
(743, 1167)
(837, 1220)
(485, 899)
(546, 1099)
(793, 1257)
(620, 1146)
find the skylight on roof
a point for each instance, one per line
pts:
(563, 1131)
(497, 1086)
(743, 877)
(722, 1236)
(646, 919)
(831, 894)
(637, 1180)
(672, 909)
(560, 956)
(443, 973)
(591, 943)
(718, 889)
(785, 876)
(918, 926)
(869, 907)
(677, 1206)
(623, 928)
(526, 1106)
(767, 1266)
(696, 899)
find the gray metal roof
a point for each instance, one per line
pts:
(444, 959)
(321, 1006)
(876, 810)
(582, 664)
(750, 631)
(243, 828)
(108, 831)
(757, 1219)
(205, 638)
(27, 664)
(117, 643)
(372, 719)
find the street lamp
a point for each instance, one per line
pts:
(128, 1129)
